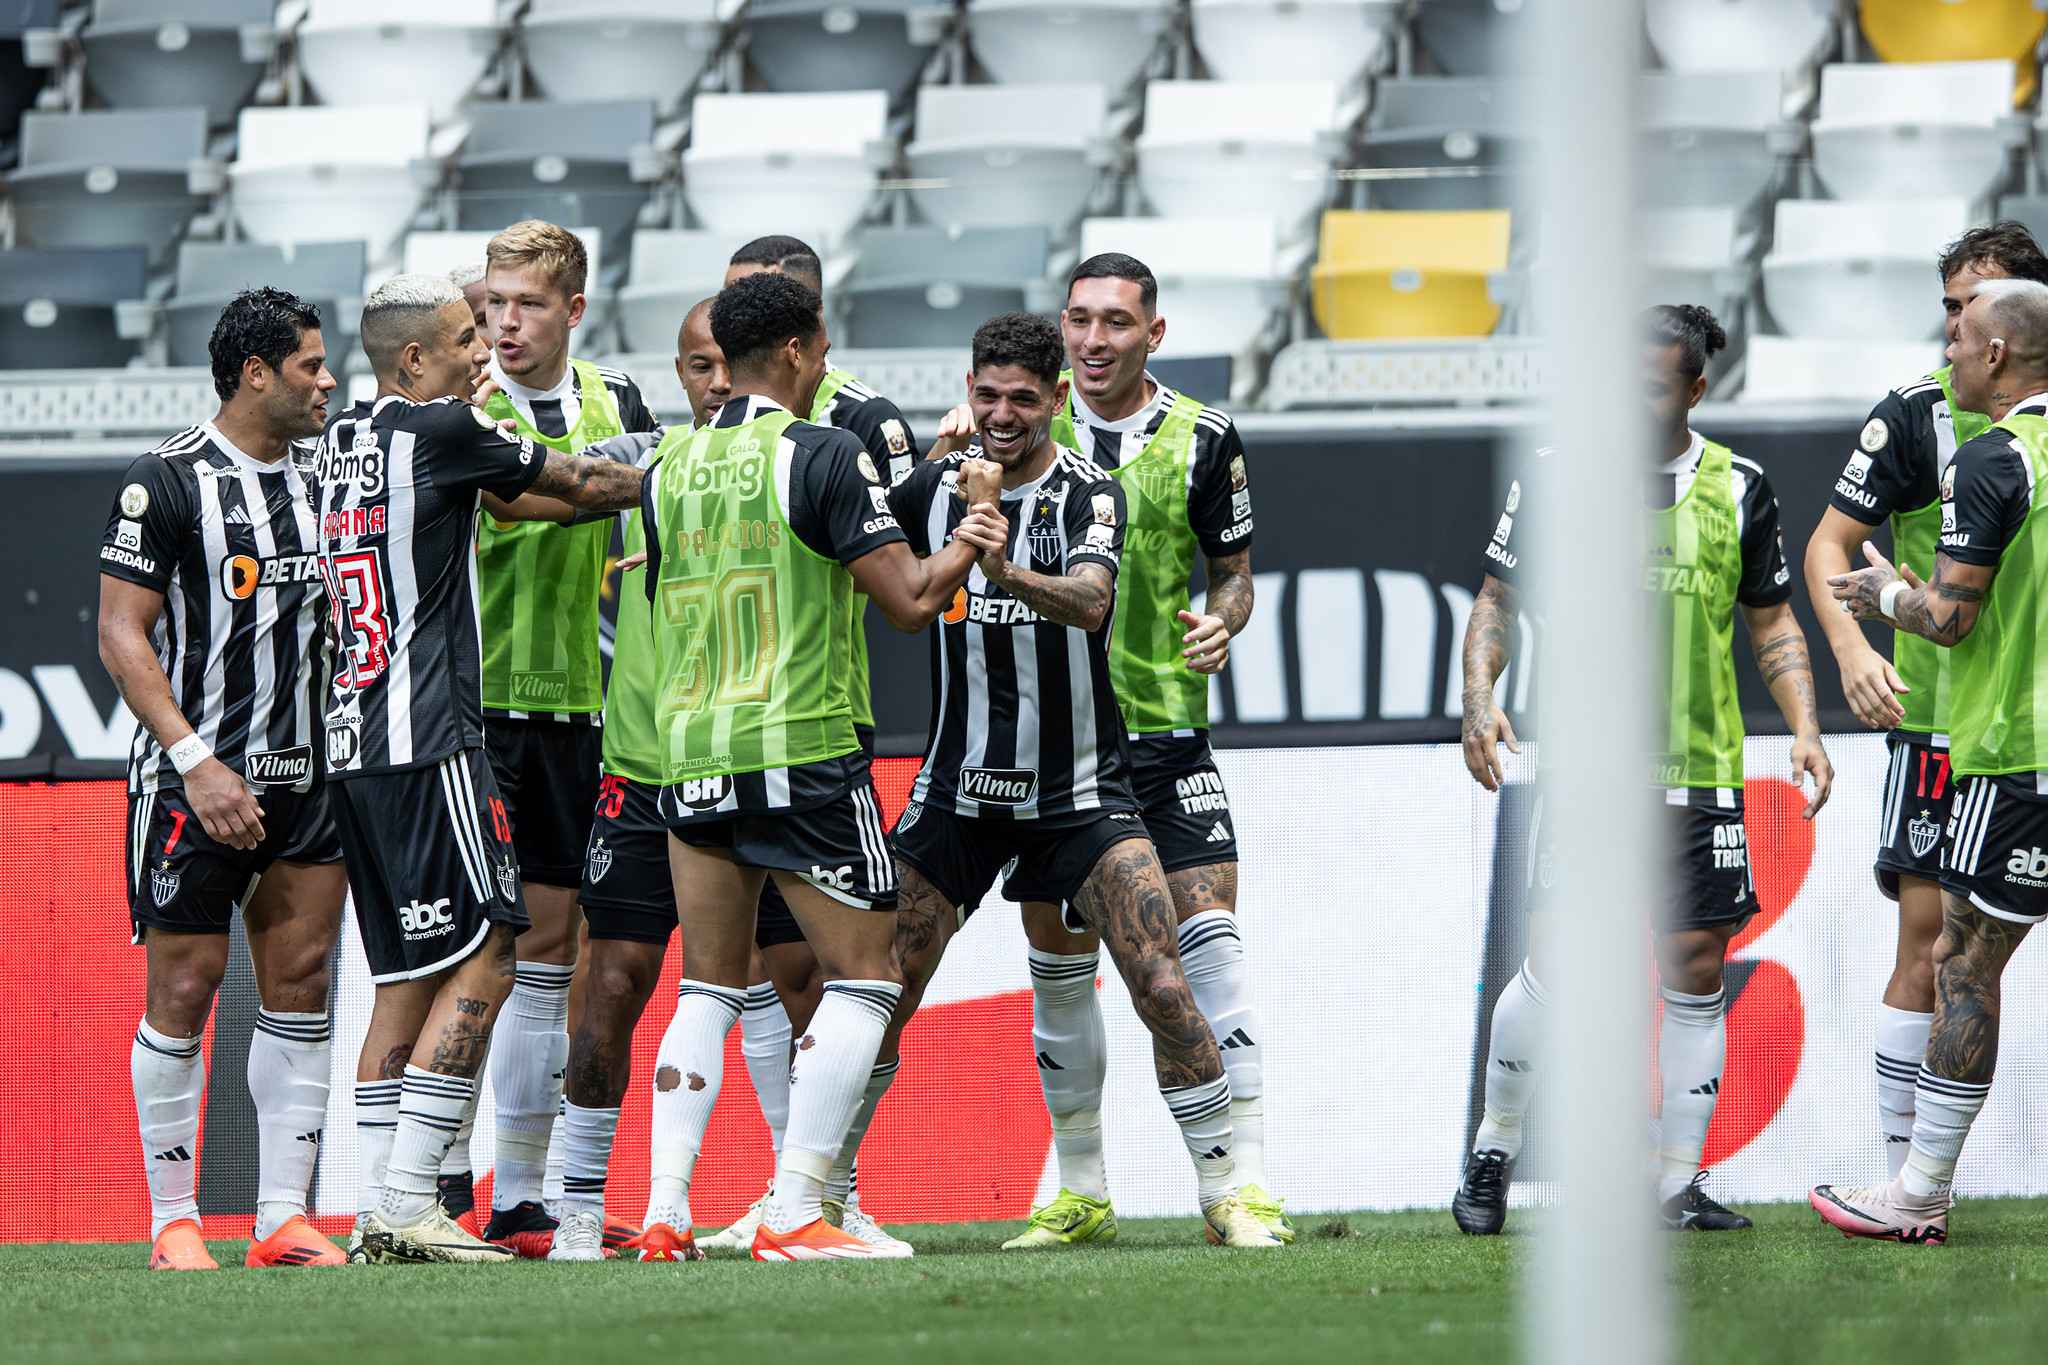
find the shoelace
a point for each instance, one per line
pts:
(1490, 1180)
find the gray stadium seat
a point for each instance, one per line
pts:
(567, 163)
(829, 45)
(377, 51)
(1099, 42)
(1292, 40)
(622, 49)
(1006, 155)
(154, 54)
(671, 270)
(1470, 37)
(107, 177)
(327, 274)
(19, 81)
(1449, 122)
(927, 286)
(57, 308)
(1710, 137)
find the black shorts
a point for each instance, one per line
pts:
(838, 845)
(430, 863)
(627, 891)
(547, 772)
(180, 880)
(1918, 791)
(962, 855)
(1996, 852)
(1707, 848)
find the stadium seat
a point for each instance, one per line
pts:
(1098, 42)
(1791, 369)
(1690, 255)
(1469, 37)
(380, 51)
(1409, 274)
(1219, 279)
(1006, 155)
(155, 54)
(1912, 130)
(1859, 271)
(436, 253)
(669, 273)
(1292, 40)
(1452, 124)
(330, 174)
(57, 308)
(1208, 143)
(328, 275)
(109, 177)
(1957, 31)
(800, 45)
(573, 164)
(758, 163)
(619, 49)
(1738, 35)
(20, 82)
(1710, 137)
(930, 286)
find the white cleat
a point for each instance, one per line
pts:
(740, 1236)
(433, 1240)
(579, 1236)
(356, 1254)
(858, 1224)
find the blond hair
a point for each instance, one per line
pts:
(557, 251)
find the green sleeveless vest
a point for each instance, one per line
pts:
(632, 744)
(538, 582)
(754, 630)
(1998, 713)
(1693, 569)
(863, 702)
(1922, 665)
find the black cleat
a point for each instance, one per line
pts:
(457, 1194)
(1481, 1206)
(525, 1229)
(1691, 1211)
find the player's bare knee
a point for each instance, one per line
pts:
(1160, 995)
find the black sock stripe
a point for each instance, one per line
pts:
(184, 1055)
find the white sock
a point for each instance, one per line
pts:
(170, 1081)
(764, 1042)
(586, 1155)
(839, 1184)
(429, 1112)
(689, 1068)
(833, 1066)
(1203, 1113)
(1692, 1049)
(551, 1177)
(1901, 1047)
(1212, 955)
(530, 1049)
(288, 1079)
(1514, 1053)
(1943, 1113)
(457, 1159)
(376, 1126)
(1073, 1060)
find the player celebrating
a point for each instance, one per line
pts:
(209, 625)
(1896, 472)
(1714, 545)
(1986, 601)
(436, 885)
(538, 585)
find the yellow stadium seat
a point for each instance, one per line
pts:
(1958, 31)
(1413, 274)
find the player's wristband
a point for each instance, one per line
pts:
(1889, 599)
(188, 753)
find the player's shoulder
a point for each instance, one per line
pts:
(819, 441)
(1070, 466)
(617, 380)
(177, 456)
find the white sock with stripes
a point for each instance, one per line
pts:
(1073, 1061)
(839, 1184)
(288, 1080)
(834, 1063)
(376, 1126)
(529, 1050)
(429, 1112)
(1212, 955)
(1514, 1049)
(170, 1080)
(1943, 1113)
(689, 1068)
(1203, 1113)
(587, 1136)
(458, 1159)
(764, 1042)
(1692, 1049)
(1901, 1048)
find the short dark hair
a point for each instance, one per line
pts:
(266, 323)
(758, 313)
(2005, 244)
(786, 254)
(1022, 339)
(1114, 265)
(1689, 327)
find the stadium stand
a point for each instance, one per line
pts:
(385, 51)
(931, 287)
(670, 270)
(1957, 31)
(798, 45)
(1292, 40)
(1889, 131)
(111, 177)
(168, 54)
(1003, 155)
(1801, 370)
(757, 163)
(1461, 132)
(1692, 255)
(327, 274)
(620, 49)
(1105, 42)
(1220, 278)
(1268, 143)
(1858, 271)
(1738, 35)
(1712, 137)
(1409, 274)
(1468, 37)
(580, 165)
(59, 309)
(342, 173)
(19, 81)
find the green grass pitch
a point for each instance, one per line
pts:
(1398, 1287)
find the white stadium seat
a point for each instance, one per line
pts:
(1689, 256)
(670, 272)
(330, 174)
(757, 163)
(1218, 277)
(155, 54)
(1101, 42)
(1898, 130)
(109, 177)
(577, 164)
(619, 49)
(1212, 144)
(1859, 271)
(1009, 155)
(1738, 35)
(378, 51)
(1789, 369)
(832, 45)
(1708, 136)
(1292, 40)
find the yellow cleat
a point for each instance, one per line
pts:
(1231, 1224)
(1266, 1208)
(1069, 1220)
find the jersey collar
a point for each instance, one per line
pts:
(2037, 403)
(524, 396)
(242, 458)
(741, 409)
(1690, 459)
(1141, 420)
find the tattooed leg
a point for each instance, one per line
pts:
(457, 1032)
(1127, 902)
(621, 981)
(397, 1012)
(1969, 959)
(1198, 890)
(925, 923)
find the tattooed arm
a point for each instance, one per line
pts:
(1781, 656)
(1080, 599)
(572, 483)
(1229, 608)
(1489, 640)
(1943, 610)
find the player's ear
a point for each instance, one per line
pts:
(1154, 334)
(577, 303)
(255, 374)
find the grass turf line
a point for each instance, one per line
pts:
(1402, 1287)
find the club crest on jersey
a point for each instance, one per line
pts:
(1237, 473)
(1922, 833)
(912, 813)
(1514, 497)
(600, 861)
(866, 464)
(163, 884)
(508, 880)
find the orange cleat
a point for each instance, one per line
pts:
(662, 1243)
(820, 1241)
(617, 1236)
(179, 1247)
(296, 1243)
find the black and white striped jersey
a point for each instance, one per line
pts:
(1024, 716)
(229, 541)
(555, 412)
(877, 421)
(399, 488)
(1219, 503)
